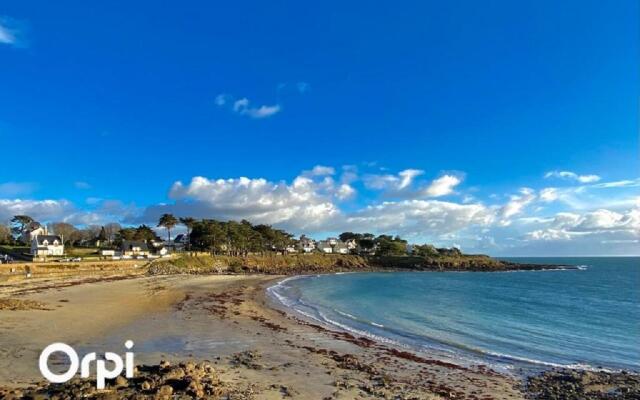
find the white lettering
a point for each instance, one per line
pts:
(102, 372)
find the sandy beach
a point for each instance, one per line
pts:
(227, 321)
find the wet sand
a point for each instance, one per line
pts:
(228, 321)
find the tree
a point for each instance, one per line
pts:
(63, 229)
(425, 250)
(142, 233)
(145, 233)
(188, 222)
(168, 221)
(208, 235)
(391, 246)
(19, 224)
(344, 236)
(102, 236)
(111, 230)
(5, 234)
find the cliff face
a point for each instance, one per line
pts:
(297, 264)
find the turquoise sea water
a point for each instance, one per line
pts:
(584, 318)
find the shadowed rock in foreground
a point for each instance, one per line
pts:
(164, 381)
(569, 384)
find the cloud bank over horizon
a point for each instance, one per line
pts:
(585, 218)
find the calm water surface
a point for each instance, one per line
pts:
(585, 318)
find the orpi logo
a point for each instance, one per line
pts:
(102, 372)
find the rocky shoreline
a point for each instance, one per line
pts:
(569, 384)
(264, 354)
(323, 264)
(191, 380)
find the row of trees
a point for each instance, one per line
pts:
(216, 237)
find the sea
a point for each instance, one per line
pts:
(586, 317)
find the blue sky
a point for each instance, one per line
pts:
(105, 107)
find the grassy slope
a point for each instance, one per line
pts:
(318, 263)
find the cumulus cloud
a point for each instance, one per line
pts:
(345, 191)
(572, 176)
(442, 186)
(39, 209)
(321, 170)
(298, 205)
(315, 203)
(611, 226)
(420, 217)
(62, 210)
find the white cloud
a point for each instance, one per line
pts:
(44, 210)
(393, 183)
(420, 217)
(609, 226)
(442, 186)
(302, 204)
(345, 191)
(549, 194)
(572, 176)
(407, 176)
(7, 34)
(321, 170)
(243, 106)
(619, 184)
(516, 205)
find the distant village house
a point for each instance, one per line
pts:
(134, 248)
(47, 245)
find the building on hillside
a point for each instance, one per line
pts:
(134, 248)
(47, 245)
(351, 244)
(341, 248)
(180, 242)
(107, 253)
(306, 245)
(324, 246)
(32, 230)
(333, 241)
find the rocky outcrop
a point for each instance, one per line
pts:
(567, 384)
(330, 263)
(163, 381)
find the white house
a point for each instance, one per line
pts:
(134, 248)
(306, 245)
(351, 244)
(47, 245)
(324, 246)
(341, 248)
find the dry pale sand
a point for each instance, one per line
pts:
(228, 321)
